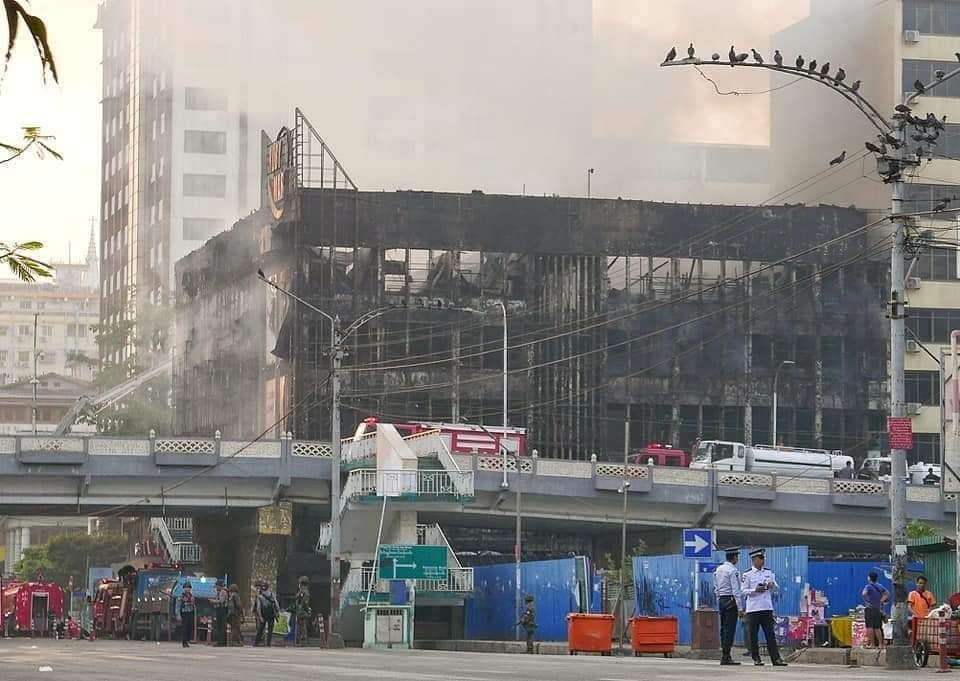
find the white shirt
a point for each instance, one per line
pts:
(758, 601)
(726, 581)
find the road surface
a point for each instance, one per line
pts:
(22, 660)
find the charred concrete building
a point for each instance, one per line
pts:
(674, 318)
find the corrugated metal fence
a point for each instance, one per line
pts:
(552, 583)
(842, 582)
(665, 584)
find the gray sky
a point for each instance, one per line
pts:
(629, 98)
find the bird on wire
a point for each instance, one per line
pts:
(799, 61)
(690, 51)
(825, 69)
(841, 74)
(918, 86)
(777, 58)
(671, 55)
(733, 55)
(715, 56)
(812, 68)
(874, 148)
(941, 205)
(839, 159)
(854, 86)
(902, 108)
(939, 74)
(742, 57)
(756, 56)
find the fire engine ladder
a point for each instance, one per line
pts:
(104, 400)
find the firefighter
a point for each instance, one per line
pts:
(219, 602)
(235, 615)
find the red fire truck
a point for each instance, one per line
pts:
(661, 455)
(29, 608)
(462, 438)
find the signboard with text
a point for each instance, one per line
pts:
(399, 561)
(900, 432)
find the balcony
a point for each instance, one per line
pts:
(368, 484)
(459, 583)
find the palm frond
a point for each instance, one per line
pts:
(56, 154)
(38, 32)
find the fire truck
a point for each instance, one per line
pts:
(138, 604)
(462, 438)
(29, 608)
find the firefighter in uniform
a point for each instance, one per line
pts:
(759, 585)
(529, 622)
(302, 611)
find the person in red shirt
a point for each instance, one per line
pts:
(920, 600)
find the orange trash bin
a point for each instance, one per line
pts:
(589, 633)
(657, 635)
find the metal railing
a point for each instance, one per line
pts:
(324, 537)
(364, 447)
(178, 551)
(368, 482)
(459, 581)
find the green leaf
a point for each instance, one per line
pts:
(38, 30)
(13, 10)
(29, 246)
(56, 154)
(10, 147)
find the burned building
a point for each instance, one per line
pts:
(674, 318)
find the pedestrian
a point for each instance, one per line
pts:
(529, 622)
(219, 602)
(265, 612)
(235, 615)
(759, 584)
(187, 612)
(874, 597)
(302, 612)
(920, 600)
(847, 472)
(726, 585)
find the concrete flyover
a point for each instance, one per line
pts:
(156, 476)
(153, 476)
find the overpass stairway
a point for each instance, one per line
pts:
(176, 537)
(374, 495)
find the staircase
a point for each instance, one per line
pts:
(176, 537)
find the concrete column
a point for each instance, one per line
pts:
(24, 540)
(405, 528)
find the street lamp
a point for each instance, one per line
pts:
(336, 356)
(776, 377)
(589, 175)
(625, 491)
(891, 165)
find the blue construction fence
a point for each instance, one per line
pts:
(664, 586)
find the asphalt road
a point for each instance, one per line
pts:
(123, 661)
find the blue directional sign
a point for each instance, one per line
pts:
(707, 568)
(697, 543)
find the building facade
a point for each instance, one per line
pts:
(889, 46)
(61, 314)
(674, 318)
(174, 145)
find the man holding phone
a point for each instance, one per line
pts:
(759, 585)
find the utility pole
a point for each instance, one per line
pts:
(625, 490)
(35, 381)
(898, 457)
(336, 357)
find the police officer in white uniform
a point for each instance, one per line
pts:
(726, 585)
(759, 585)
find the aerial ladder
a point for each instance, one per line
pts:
(105, 399)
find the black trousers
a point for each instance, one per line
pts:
(220, 627)
(265, 625)
(763, 620)
(729, 616)
(186, 623)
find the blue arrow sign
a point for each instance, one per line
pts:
(697, 543)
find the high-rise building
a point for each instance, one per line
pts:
(175, 145)
(55, 317)
(888, 46)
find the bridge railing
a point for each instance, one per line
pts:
(425, 484)
(458, 581)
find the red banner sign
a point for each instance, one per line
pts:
(900, 432)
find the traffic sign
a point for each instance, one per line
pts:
(400, 561)
(707, 568)
(698, 543)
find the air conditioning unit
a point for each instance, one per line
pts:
(913, 346)
(913, 282)
(913, 408)
(911, 36)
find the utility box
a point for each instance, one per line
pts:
(705, 632)
(387, 626)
